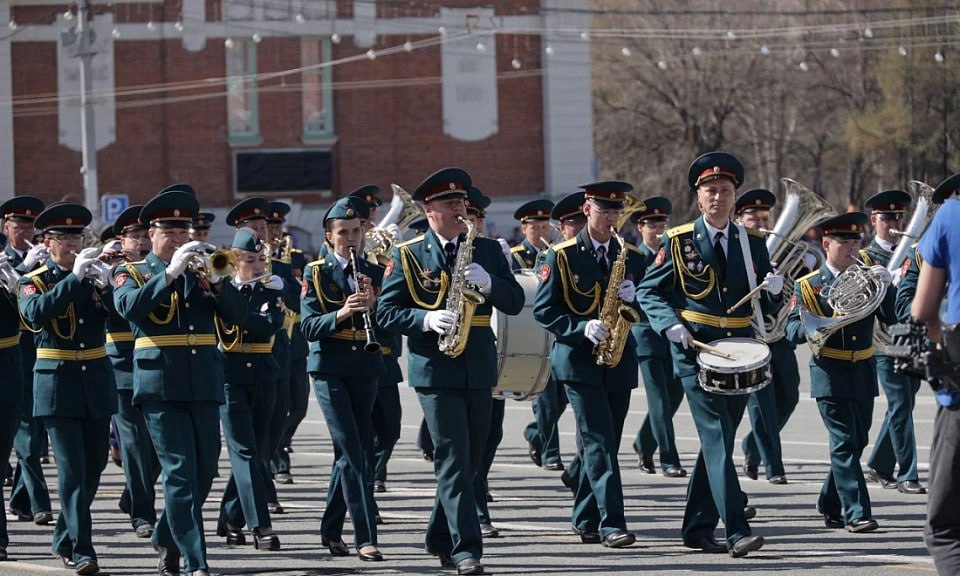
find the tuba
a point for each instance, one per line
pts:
(461, 300)
(403, 212)
(631, 205)
(615, 315)
(855, 294)
(802, 209)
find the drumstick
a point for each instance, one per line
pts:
(749, 295)
(712, 350)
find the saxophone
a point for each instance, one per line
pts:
(617, 316)
(461, 300)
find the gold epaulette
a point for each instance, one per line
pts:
(565, 244)
(808, 295)
(314, 263)
(518, 248)
(413, 240)
(633, 248)
(809, 276)
(865, 255)
(682, 229)
(37, 272)
(138, 262)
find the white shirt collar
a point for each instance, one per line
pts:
(888, 246)
(834, 271)
(596, 245)
(443, 241)
(712, 232)
(341, 260)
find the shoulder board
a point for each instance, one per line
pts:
(867, 256)
(414, 240)
(565, 244)
(518, 248)
(315, 262)
(682, 229)
(810, 275)
(754, 232)
(633, 248)
(37, 272)
(137, 262)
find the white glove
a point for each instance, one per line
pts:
(439, 321)
(504, 246)
(84, 259)
(475, 274)
(678, 334)
(809, 260)
(628, 291)
(774, 283)
(595, 331)
(265, 309)
(34, 255)
(393, 229)
(897, 277)
(275, 283)
(882, 273)
(180, 258)
(113, 246)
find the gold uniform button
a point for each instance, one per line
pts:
(186, 304)
(245, 332)
(854, 338)
(193, 351)
(82, 345)
(80, 354)
(354, 348)
(729, 334)
(246, 349)
(723, 322)
(724, 288)
(80, 321)
(83, 368)
(190, 327)
(249, 365)
(191, 339)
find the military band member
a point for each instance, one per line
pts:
(700, 271)
(574, 281)
(534, 218)
(770, 406)
(74, 391)
(344, 372)
(896, 442)
(11, 388)
(200, 226)
(664, 391)
(141, 468)
(250, 391)
(370, 194)
(843, 377)
(178, 381)
(454, 391)
(29, 498)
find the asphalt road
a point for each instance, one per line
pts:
(532, 510)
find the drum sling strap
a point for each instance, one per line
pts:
(751, 278)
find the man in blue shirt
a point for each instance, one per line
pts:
(940, 268)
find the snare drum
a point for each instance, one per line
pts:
(748, 372)
(523, 347)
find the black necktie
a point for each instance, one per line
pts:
(451, 251)
(718, 248)
(246, 289)
(348, 270)
(602, 260)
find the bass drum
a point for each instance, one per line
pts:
(523, 347)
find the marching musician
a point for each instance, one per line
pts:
(896, 442)
(11, 389)
(141, 468)
(534, 218)
(455, 390)
(771, 406)
(370, 194)
(575, 285)
(250, 372)
(29, 497)
(200, 226)
(74, 390)
(338, 300)
(701, 270)
(178, 382)
(664, 391)
(843, 377)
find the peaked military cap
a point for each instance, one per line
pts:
(570, 207)
(250, 209)
(347, 208)
(846, 225)
(538, 209)
(655, 208)
(420, 225)
(713, 166)
(888, 201)
(444, 183)
(67, 217)
(21, 208)
(106, 235)
(476, 201)
(246, 239)
(756, 199)
(174, 209)
(278, 212)
(128, 221)
(607, 194)
(946, 189)
(180, 188)
(368, 193)
(203, 220)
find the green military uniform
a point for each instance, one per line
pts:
(453, 391)
(843, 380)
(524, 255)
(907, 288)
(345, 377)
(11, 389)
(573, 288)
(178, 379)
(74, 391)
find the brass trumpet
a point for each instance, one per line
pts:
(221, 262)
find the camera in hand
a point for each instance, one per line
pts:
(917, 357)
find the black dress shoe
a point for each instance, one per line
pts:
(42, 518)
(19, 514)
(708, 545)
(749, 512)
(880, 478)
(68, 562)
(489, 497)
(863, 525)
(554, 466)
(379, 486)
(336, 547)
(378, 519)
(427, 455)
(234, 536)
(780, 479)
(169, 564)
(266, 541)
(283, 478)
(587, 537)
(374, 556)
(274, 508)
(674, 472)
(646, 464)
(469, 566)
(751, 471)
(745, 545)
(832, 521)
(533, 451)
(446, 561)
(487, 530)
(569, 481)
(619, 539)
(87, 567)
(910, 487)
(3, 553)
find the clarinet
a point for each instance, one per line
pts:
(372, 345)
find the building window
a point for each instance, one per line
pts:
(317, 98)
(242, 116)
